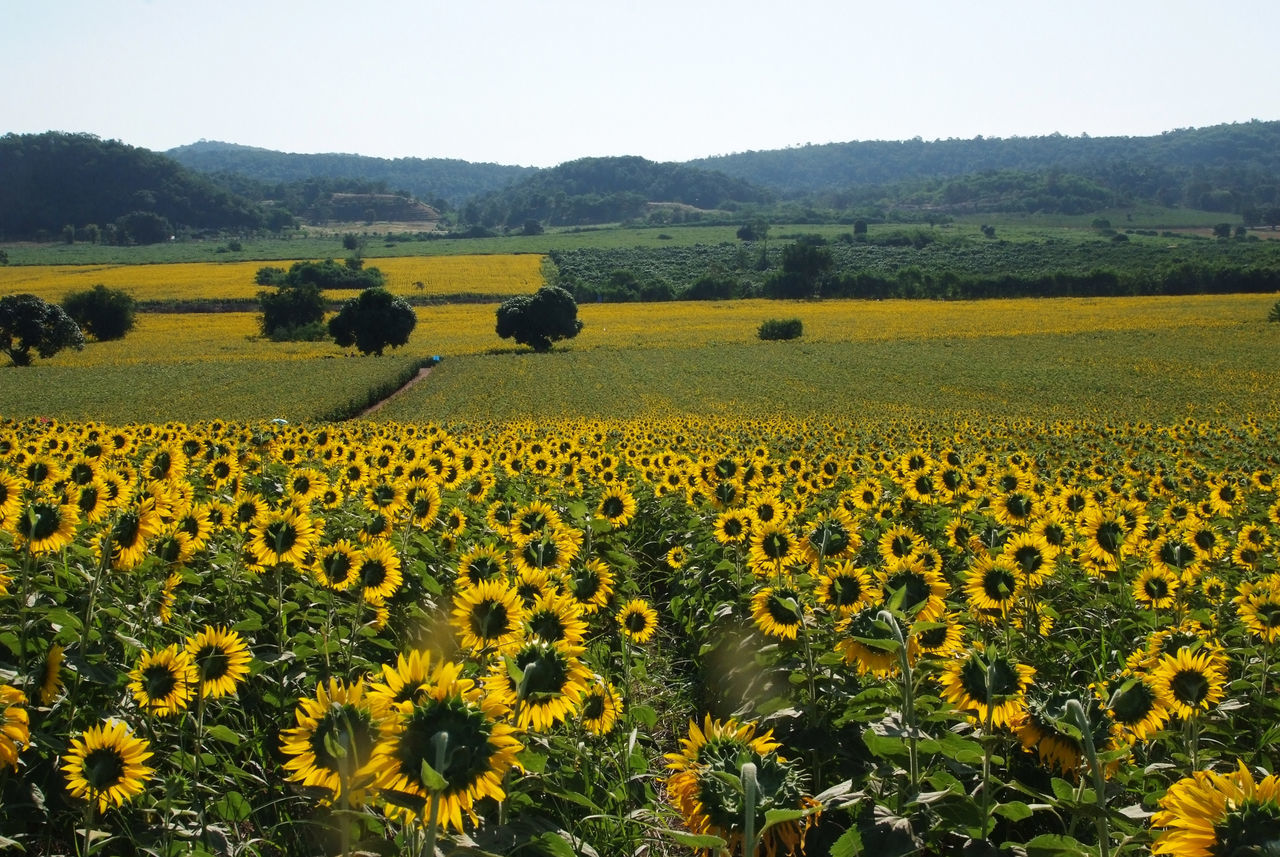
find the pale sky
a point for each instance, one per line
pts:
(540, 83)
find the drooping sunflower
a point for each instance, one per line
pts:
(868, 642)
(988, 684)
(541, 681)
(45, 525)
(1189, 683)
(779, 611)
(164, 681)
(283, 537)
(105, 765)
(458, 731)
(599, 707)
(331, 747)
(1208, 814)
(221, 660)
(488, 616)
(843, 588)
(50, 674)
(706, 788)
(637, 621)
(15, 725)
(378, 571)
(1058, 749)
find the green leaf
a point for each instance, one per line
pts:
(1014, 810)
(531, 761)
(1055, 845)
(552, 844)
(1063, 790)
(233, 807)
(645, 715)
(225, 734)
(431, 778)
(703, 841)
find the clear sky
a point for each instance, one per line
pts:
(539, 83)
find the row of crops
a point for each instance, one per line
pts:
(597, 638)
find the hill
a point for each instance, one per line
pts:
(437, 180)
(600, 190)
(55, 180)
(1229, 168)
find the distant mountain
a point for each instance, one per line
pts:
(54, 180)
(434, 180)
(1227, 167)
(599, 190)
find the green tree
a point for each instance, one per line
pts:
(805, 264)
(101, 312)
(537, 320)
(373, 321)
(292, 311)
(27, 322)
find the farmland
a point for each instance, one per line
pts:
(951, 573)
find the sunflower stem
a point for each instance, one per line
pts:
(88, 823)
(440, 742)
(1077, 713)
(986, 751)
(908, 700)
(750, 787)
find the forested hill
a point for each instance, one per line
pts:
(599, 190)
(55, 180)
(430, 179)
(1219, 168)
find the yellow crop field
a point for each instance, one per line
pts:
(500, 275)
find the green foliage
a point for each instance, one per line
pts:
(1274, 315)
(143, 227)
(805, 264)
(291, 312)
(27, 323)
(101, 312)
(351, 274)
(373, 321)
(549, 315)
(781, 328)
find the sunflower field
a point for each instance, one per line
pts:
(659, 636)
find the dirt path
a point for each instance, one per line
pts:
(376, 406)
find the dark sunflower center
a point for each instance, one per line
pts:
(593, 706)
(158, 681)
(915, 589)
(829, 538)
(1189, 687)
(373, 573)
(612, 507)
(489, 619)
(998, 584)
(585, 585)
(845, 591)
(41, 521)
(1156, 588)
(783, 608)
(1268, 612)
(548, 626)
(212, 662)
(1029, 558)
(636, 621)
(545, 673)
(343, 739)
(460, 754)
(337, 567)
(127, 530)
(775, 545)
(1110, 536)
(280, 535)
(103, 768)
(1003, 676)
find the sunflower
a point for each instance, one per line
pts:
(898, 542)
(51, 675)
(549, 552)
(10, 498)
(779, 612)
(488, 616)
(919, 591)
(481, 563)
(163, 682)
(733, 527)
(541, 681)
(15, 727)
(283, 537)
(406, 682)
(1060, 750)
(988, 685)
(1135, 706)
(677, 557)
(1106, 535)
(773, 546)
(1258, 605)
(943, 638)
(843, 588)
(455, 730)
(706, 788)
(105, 765)
(637, 621)
(599, 707)
(994, 584)
(1032, 555)
(1189, 683)
(1209, 814)
(533, 520)
(378, 571)
(868, 641)
(1155, 587)
(221, 660)
(336, 566)
(555, 618)
(616, 506)
(46, 525)
(332, 745)
(831, 536)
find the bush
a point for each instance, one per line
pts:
(101, 312)
(1274, 315)
(27, 322)
(373, 321)
(351, 274)
(781, 328)
(290, 312)
(539, 319)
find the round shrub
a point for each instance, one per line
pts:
(101, 312)
(781, 328)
